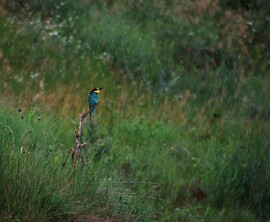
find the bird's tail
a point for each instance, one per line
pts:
(92, 110)
(91, 120)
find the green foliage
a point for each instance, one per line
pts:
(57, 8)
(228, 169)
(228, 214)
(182, 135)
(249, 5)
(236, 172)
(123, 43)
(35, 185)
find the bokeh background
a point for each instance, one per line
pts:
(182, 128)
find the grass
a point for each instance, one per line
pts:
(220, 167)
(210, 168)
(34, 186)
(174, 141)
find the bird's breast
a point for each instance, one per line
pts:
(93, 99)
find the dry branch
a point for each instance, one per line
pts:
(76, 152)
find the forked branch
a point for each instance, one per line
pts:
(76, 152)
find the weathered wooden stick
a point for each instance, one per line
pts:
(79, 143)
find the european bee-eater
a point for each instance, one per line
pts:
(93, 100)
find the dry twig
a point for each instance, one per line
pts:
(76, 152)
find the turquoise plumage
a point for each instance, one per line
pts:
(93, 100)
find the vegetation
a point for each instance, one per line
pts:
(182, 127)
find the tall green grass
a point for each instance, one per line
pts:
(35, 185)
(192, 149)
(236, 174)
(179, 171)
(218, 166)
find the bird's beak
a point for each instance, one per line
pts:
(98, 90)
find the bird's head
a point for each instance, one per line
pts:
(96, 90)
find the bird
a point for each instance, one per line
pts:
(93, 100)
